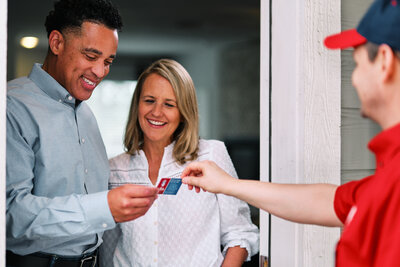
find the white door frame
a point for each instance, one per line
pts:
(300, 120)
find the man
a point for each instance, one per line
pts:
(58, 205)
(369, 208)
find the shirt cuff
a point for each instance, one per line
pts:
(97, 211)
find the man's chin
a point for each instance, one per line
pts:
(364, 115)
(85, 96)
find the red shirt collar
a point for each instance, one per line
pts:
(385, 145)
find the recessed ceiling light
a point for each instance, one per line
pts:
(29, 42)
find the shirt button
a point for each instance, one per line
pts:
(155, 243)
(70, 98)
(104, 225)
(155, 223)
(155, 260)
(86, 170)
(83, 140)
(60, 100)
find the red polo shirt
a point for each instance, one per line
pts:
(370, 209)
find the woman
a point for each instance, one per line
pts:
(161, 138)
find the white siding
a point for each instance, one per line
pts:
(305, 117)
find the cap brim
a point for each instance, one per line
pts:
(345, 39)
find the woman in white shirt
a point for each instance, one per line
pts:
(161, 138)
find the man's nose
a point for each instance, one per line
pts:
(100, 70)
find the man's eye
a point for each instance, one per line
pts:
(90, 57)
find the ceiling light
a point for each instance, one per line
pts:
(29, 42)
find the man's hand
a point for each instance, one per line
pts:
(129, 201)
(206, 175)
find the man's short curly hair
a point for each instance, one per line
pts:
(70, 14)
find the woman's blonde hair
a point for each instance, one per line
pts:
(186, 136)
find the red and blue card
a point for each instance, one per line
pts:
(169, 186)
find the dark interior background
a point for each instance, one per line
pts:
(217, 41)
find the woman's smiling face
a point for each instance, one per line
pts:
(158, 112)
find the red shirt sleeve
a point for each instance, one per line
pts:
(345, 198)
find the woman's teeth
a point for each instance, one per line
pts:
(157, 123)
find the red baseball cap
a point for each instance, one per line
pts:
(380, 25)
(345, 39)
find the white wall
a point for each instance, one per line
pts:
(3, 74)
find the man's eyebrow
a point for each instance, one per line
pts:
(97, 52)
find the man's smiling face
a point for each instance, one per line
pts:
(85, 58)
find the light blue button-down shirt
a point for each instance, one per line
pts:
(57, 170)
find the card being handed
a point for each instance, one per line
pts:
(169, 186)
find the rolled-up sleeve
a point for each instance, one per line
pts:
(237, 228)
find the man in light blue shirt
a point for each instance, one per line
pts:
(57, 170)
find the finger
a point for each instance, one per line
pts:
(190, 187)
(197, 189)
(138, 191)
(132, 214)
(140, 202)
(196, 167)
(190, 180)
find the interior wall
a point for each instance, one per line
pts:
(239, 92)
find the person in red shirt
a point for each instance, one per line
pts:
(369, 209)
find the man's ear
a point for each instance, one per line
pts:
(386, 59)
(56, 42)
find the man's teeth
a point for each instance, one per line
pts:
(158, 123)
(88, 81)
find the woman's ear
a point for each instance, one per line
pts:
(56, 42)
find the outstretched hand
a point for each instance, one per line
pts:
(129, 201)
(207, 176)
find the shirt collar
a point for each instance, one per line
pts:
(385, 145)
(50, 86)
(167, 157)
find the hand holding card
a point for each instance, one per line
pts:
(169, 186)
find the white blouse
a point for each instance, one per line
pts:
(186, 229)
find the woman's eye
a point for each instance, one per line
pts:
(149, 100)
(169, 105)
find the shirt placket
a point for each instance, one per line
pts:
(155, 241)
